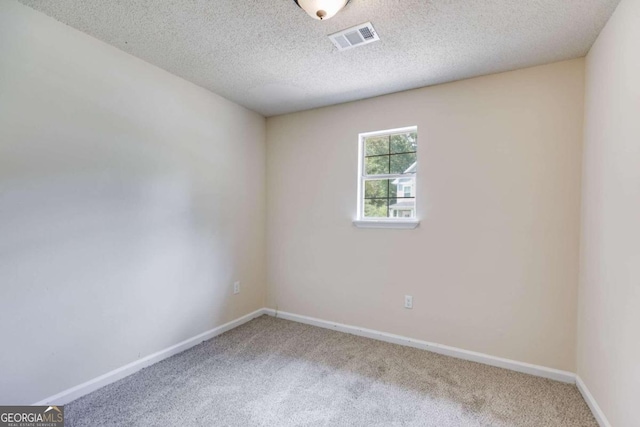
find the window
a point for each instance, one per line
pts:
(387, 176)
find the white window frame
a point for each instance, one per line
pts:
(361, 221)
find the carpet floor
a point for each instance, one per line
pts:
(273, 372)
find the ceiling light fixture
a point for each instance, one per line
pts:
(321, 9)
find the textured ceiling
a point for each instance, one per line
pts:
(271, 57)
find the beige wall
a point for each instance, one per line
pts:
(130, 200)
(493, 266)
(609, 308)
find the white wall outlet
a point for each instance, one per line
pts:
(236, 287)
(408, 301)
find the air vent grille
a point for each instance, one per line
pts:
(366, 33)
(354, 36)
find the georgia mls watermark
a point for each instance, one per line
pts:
(31, 416)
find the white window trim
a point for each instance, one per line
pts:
(393, 223)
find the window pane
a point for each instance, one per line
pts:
(376, 165)
(376, 145)
(400, 163)
(393, 187)
(400, 186)
(404, 142)
(402, 208)
(375, 189)
(375, 208)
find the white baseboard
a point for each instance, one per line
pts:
(591, 401)
(73, 393)
(527, 368)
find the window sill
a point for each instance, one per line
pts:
(403, 225)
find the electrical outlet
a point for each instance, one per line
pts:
(236, 287)
(408, 301)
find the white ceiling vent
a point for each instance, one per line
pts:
(354, 36)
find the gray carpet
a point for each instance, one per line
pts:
(273, 372)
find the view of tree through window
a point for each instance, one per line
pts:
(389, 168)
